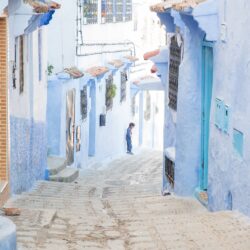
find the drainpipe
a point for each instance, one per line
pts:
(126, 43)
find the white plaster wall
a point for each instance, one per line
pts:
(39, 87)
(62, 36)
(110, 139)
(19, 104)
(30, 103)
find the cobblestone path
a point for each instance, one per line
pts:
(119, 206)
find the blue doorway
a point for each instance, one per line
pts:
(207, 86)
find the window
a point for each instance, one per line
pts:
(119, 11)
(123, 85)
(14, 77)
(40, 54)
(128, 10)
(90, 11)
(84, 103)
(107, 11)
(169, 170)
(147, 112)
(78, 138)
(21, 64)
(111, 11)
(175, 61)
(109, 92)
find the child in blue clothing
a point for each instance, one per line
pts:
(129, 138)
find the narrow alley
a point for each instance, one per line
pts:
(118, 205)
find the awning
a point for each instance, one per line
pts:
(37, 21)
(97, 71)
(44, 13)
(148, 83)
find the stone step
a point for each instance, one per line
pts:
(56, 164)
(66, 175)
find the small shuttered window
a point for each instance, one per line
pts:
(175, 61)
(108, 95)
(84, 103)
(21, 64)
(123, 85)
(40, 54)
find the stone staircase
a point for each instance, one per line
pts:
(59, 171)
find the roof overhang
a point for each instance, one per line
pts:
(42, 16)
(204, 12)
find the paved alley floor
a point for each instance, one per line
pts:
(119, 206)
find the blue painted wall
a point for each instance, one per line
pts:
(28, 153)
(56, 118)
(188, 128)
(54, 102)
(229, 175)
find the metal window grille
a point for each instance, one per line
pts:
(147, 112)
(90, 11)
(175, 61)
(21, 63)
(109, 99)
(119, 11)
(78, 138)
(84, 103)
(40, 54)
(108, 11)
(14, 77)
(128, 10)
(124, 79)
(169, 170)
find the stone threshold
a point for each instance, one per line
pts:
(202, 197)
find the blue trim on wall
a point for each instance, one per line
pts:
(54, 104)
(207, 86)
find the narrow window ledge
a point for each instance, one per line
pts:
(170, 153)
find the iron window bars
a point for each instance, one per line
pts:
(84, 103)
(169, 170)
(124, 79)
(109, 99)
(175, 61)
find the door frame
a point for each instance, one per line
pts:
(206, 99)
